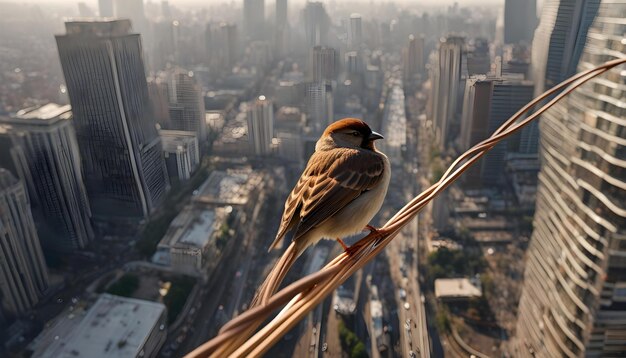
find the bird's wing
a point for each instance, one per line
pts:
(331, 181)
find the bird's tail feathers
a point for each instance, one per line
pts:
(277, 275)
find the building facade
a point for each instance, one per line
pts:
(120, 147)
(261, 126)
(520, 20)
(573, 301)
(23, 272)
(488, 102)
(46, 155)
(559, 40)
(446, 79)
(182, 156)
(187, 105)
(254, 19)
(323, 64)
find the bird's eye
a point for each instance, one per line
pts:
(356, 133)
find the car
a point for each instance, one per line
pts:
(324, 347)
(406, 305)
(402, 293)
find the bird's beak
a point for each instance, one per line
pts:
(374, 136)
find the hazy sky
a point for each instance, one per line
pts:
(186, 2)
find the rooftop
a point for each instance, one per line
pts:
(194, 227)
(40, 115)
(451, 288)
(231, 187)
(172, 140)
(113, 327)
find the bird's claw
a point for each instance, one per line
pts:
(346, 248)
(372, 229)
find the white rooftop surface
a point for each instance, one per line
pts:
(201, 230)
(48, 111)
(455, 288)
(232, 187)
(114, 327)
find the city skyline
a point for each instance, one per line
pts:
(147, 156)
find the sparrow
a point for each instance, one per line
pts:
(341, 189)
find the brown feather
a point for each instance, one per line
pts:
(332, 179)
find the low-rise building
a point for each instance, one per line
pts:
(457, 289)
(234, 187)
(114, 326)
(192, 243)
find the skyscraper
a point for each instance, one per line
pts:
(559, 40)
(120, 148)
(316, 23)
(260, 126)
(319, 106)
(254, 19)
(105, 8)
(46, 155)
(489, 102)
(23, 272)
(323, 64)
(281, 14)
(520, 20)
(134, 11)
(187, 105)
(355, 32)
(572, 302)
(413, 57)
(446, 79)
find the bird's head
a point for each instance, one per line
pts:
(350, 133)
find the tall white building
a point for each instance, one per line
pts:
(573, 301)
(46, 155)
(447, 86)
(319, 106)
(187, 105)
(23, 272)
(261, 126)
(355, 33)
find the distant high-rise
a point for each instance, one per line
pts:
(105, 7)
(520, 20)
(319, 106)
(446, 79)
(254, 19)
(323, 64)
(281, 14)
(134, 11)
(45, 153)
(223, 45)
(261, 126)
(478, 58)
(187, 105)
(120, 148)
(316, 24)
(487, 104)
(559, 40)
(413, 57)
(23, 272)
(355, 33)
(574, 293)
(84, 10)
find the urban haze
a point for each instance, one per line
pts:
(147, 148)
